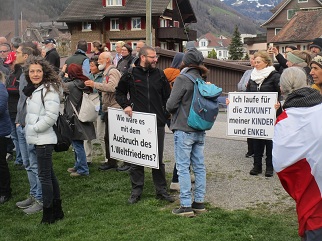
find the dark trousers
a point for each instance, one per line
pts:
(5, 189)
(259, 147)
(250, 146)
(111, 161)
(158, 175)
(47, 177)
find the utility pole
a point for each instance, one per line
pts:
(149, 22)
(15, 13)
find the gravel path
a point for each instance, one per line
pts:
(229, 184)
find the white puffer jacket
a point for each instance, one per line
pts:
(41, 118)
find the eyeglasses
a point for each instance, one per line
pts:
(4, 51)
(152, 57)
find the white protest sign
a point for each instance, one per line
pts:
(135, 139)
(251, 114)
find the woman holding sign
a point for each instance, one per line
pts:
(264, 78)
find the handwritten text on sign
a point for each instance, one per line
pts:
(251, 114)
(133, 139)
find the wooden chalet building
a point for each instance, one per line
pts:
(300, 30)
(109, 21)
(282, 15)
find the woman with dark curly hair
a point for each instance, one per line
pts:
(43, 91)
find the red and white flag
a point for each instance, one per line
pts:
(297, 160)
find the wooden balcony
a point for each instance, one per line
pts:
(176, 33)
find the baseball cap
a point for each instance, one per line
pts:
(50, 40)
(10, 58)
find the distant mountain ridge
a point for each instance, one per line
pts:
(216, 16)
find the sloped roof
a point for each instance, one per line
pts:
(303, 27)
(279, 8)
(91, 10)
(216, 41)
(7, 28)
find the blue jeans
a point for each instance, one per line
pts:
(189, 149)
(14, 138)
(80, 157)
(47, 177)
(28, 154)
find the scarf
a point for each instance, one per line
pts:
(303, 97)
(259, 75)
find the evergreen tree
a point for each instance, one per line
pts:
(236, 46)
(212, 54)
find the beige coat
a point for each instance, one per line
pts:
(111, 78)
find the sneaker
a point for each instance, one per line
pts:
(71, 170)
(165, 196)
(198, 207)
(123, 168)
(9, 157)
(255, 171)
(26, 203)
(76, 174)
(184, 211)
(105, 167)
(35, 208)
(269, 172)
(174, 186)
(133, 199)
(4, 198)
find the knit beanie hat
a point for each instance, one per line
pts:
(292, 78)
(317, 60)
(317, 42)
(192, 56)
(294, 59)
(177, 60)
(190, 44)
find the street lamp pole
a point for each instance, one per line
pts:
(149, 22)
(15, 10)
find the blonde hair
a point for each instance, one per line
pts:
(265, 57)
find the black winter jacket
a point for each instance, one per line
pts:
(149, 91)
(53, 58)
(270, 84)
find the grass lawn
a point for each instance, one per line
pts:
(96, 209)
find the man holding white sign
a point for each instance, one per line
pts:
(144, 88)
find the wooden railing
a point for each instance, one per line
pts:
(225, 74)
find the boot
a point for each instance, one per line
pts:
(269, 172)
(48, 215)
(255, 171)
(58, 211)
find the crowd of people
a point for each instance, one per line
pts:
(30, 74)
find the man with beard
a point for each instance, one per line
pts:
(145, 89)
(52, 55)
(111, 78)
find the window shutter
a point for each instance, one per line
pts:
(121, 25)
(129, 23)
(107, 24)
(142, 23)
(123, 2)
(93, 26)
(108, 45)
(80, 27)
(89, 48)
(104, 3)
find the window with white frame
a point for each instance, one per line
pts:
(163, 45)
(219, 53)
(86, 26)
(277, 30)
(170, 5)
(113, 44)
(203, 43)
(290, 13)
(163, 23)
(136, 24)
(113, 2)
(134, 44)
(304, 47)
(115, 24)
(176, 47)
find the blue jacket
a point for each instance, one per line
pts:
(5, 126)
